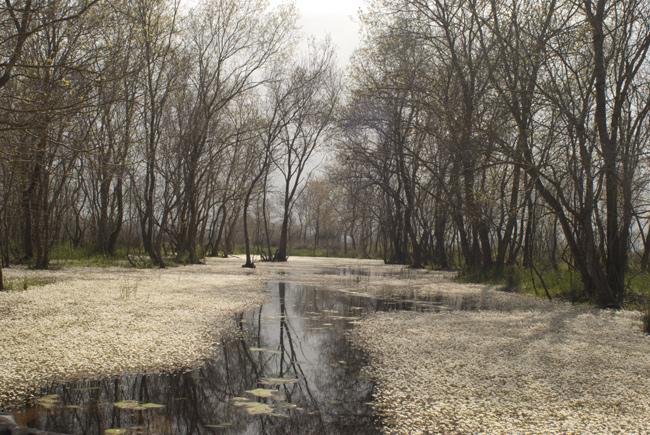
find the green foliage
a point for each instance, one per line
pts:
(310, 252)
(561, 282)
(326, 252)
(509, 277)
(65, 254)
(186, 259)
(21, 284)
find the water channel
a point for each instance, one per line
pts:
(291, 369)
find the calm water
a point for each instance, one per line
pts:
(293, 348)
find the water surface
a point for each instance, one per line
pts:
(293, 349)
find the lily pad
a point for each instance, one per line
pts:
(262, 392)
(278, 381)
(152, 406)
(240, 399)
(285, 405)
(48, 402)
(132, 405)
(254, 408)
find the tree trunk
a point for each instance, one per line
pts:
(267, 235)
(249, 259)
(281, 255)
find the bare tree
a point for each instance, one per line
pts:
(231, 41)
(156, 28)
(308, 115)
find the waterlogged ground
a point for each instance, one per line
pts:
(287, 368)
(340, 347)
(495, 362)
(102, 323)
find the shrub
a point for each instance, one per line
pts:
(646, 319)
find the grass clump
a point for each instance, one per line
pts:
(25, 283)
(553, 282)
(646, 319)
(560, 282)
(65, 254)
(510, 277)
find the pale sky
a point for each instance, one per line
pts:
(318, 18)
(337, 18)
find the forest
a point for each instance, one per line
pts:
(476, 135)
(212, 222)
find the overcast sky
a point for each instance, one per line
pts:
(338, 18)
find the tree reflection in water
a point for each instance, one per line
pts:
(303, 327)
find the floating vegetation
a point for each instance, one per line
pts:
(254, 408)
(482, 372)
(285, 405)
(133, 405)
(48, 402)
(278, 381)
(116, 431)
(128, 404)
(173, 321)
(152, 406)
(264, 393)
(239, 399)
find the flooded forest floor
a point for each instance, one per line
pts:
(311, 346)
